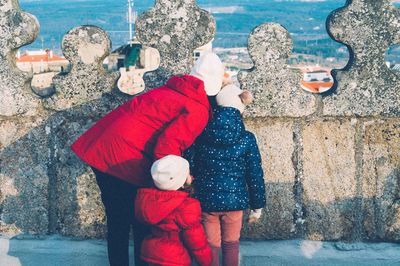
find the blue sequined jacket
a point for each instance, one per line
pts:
(226, 164)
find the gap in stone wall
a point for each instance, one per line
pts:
(396, 3)
(315, 53)
(392, 58)
(133, 61)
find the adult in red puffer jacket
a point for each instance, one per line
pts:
(162, 121)
(122, 146)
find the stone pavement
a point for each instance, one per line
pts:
(55, 250)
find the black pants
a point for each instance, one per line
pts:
(118, 199)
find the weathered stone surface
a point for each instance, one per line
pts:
(77, 207)
(275, 140)
(38, 171)
(24, 184)
(366, 86)
(338, 176)
(175, 29)
(276, 88)
(17, 29)
(13, 129)
(85, 47)
(381, 180)
(329, 183)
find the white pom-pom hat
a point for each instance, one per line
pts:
(170, 172)
(210, 70)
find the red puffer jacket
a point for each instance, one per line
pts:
(177, 231)
(163, 121)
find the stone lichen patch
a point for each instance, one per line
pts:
(17, 29)
(175, 29)
(366, 87)
(85, 47)
(275, 87)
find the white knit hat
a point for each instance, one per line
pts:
(170, 172)
(233, 96)
(210, 70)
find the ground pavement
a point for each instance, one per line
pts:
(55, 250)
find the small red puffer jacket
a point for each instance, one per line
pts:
(177, 231)
(160, 122)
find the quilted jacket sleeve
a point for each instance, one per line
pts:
(190, 155)
(193, 233)
(181, 133)
(255, 174)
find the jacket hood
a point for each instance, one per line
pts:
(152, 205)
(191, 87)
(225, 128)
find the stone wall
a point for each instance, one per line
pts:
(332, 162)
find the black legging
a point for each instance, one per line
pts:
(118, 198)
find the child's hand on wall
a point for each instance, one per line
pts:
(255, 215)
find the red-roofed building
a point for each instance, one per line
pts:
(41, 61)
(316, 79)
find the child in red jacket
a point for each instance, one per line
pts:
(174, 217)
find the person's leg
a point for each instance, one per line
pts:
(140, 231)
(212, 228)
(215, 253)
(118, 199)
(231, 224)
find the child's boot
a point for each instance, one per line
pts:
(215, 255)
(230, 253)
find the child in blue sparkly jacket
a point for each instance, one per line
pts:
(226, 165)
